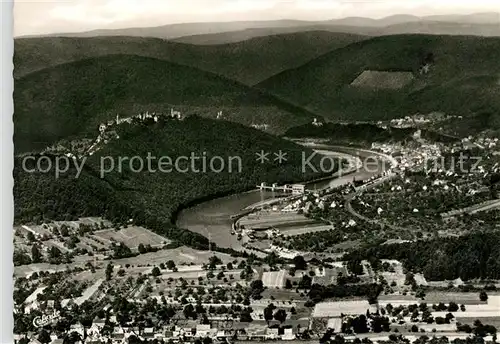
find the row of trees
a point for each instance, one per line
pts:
(318, 293)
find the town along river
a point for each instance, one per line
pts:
(212, 218)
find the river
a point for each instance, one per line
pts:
(212, 218)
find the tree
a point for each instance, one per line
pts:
(213, 262)
(156, 271)
(452, 307)
(44, 336)
(109, 271)
(72, 338)
(256, 289)
(373, 292)
(300, 263)
(288, 284)
(133, 339)
(268, 312)
(54, 253)
(272, 259)
(170, 265)
(21, 258)
(380, 324)
(359, 324)
(326, 336)
(31, 237)
(464, 328)
(354, 266)
(483, 296)
(36, 256)
(189, 312)
(305, 282)
(440, 320)
(246, 315)
(280, 315)
(338, 340)
(141, 248)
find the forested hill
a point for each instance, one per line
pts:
(71, 100)
(468, 257)
(152, 199)
(383, 78)
(248, 62)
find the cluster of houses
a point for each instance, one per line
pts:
(32, 302)
(105, 135)
(170, 333)
(84, 147)
(416, 120)
(143, 116)
(409, 157)
(481, 142)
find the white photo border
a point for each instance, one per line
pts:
(6, 178)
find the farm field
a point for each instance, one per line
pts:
(196, 274)
(291, 231)
(89, 221)
(459, 298)
(332, 309)
(283, 295)
(274, 279)
(273, 219)
(494, 321)
(181, 255)
(383, 80)
(27, 270)
(395, 298)
(132, 236)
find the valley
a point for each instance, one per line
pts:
(250, 181)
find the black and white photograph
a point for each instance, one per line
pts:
(247, 171)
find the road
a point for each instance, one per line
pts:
(484, 206)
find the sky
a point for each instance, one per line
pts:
(34, 17)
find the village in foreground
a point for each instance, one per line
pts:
(341, 264)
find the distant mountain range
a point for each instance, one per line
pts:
(66, 86)
(70, 100)
(483, 24)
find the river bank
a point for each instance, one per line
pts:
(213, 218)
